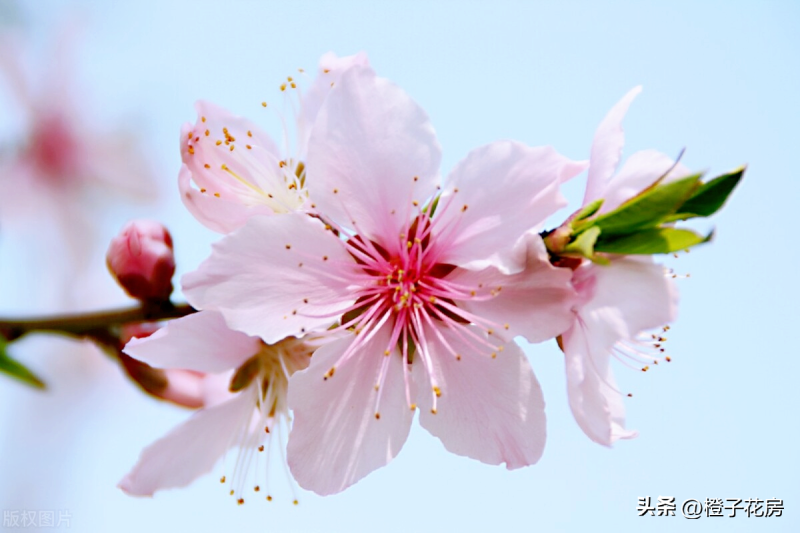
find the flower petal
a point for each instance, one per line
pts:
(535, 303)
(336, 438)
(630, 295)
(330, 70)
(491, 410)
(275, 277)
(495, 195)
(607, 148)
(219, 214)
(201, 342)
(229, 158)
(189, 450)
(594, 398)
(371, 154)
(640, 171)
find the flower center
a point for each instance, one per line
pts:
(265, 377)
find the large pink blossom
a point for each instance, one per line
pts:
(244, 396)
(233, 170)
(618, 301)
(426, 294)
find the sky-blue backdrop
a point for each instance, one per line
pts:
(721, 78)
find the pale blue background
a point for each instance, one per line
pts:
(721, 79)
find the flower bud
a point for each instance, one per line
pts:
(142, 261)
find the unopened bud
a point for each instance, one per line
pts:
(142, 261)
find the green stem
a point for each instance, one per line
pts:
(88, 324)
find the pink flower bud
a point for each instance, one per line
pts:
(142, 261)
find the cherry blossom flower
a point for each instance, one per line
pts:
(253, 407)
(618, 301)
(237, 168)
(419, 279)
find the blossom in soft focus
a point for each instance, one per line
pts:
(61, 173)
(620, 300)
(420, 279)
(244, 396)
(233, 170)
(142, 261)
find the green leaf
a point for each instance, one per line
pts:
(583, 244)
(589, 210)
(649, 209)
(17, 370)
(710, 196)
(652, 241)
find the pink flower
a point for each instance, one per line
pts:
(54, 170)
(245, 415)
(237, 168)
(426, 302)
(618, 301)
(142, 260)
(61, 157)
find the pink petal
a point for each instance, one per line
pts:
(241, 167)
(491, 410)
(189, 450)
(630, 296)
(201, 342)
(372, 153)
(275, 277)
(503, 190)
(331, 68)
(594, 398)
(222, 215)
(607, 148)
(640, 171)
(535, 303)
(336, 439)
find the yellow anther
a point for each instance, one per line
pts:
(203, 119)
(218, 143)
(191, 149)
(264, 104)
(216, 194)
(413, 406)
(437, 391)
(222, 479)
